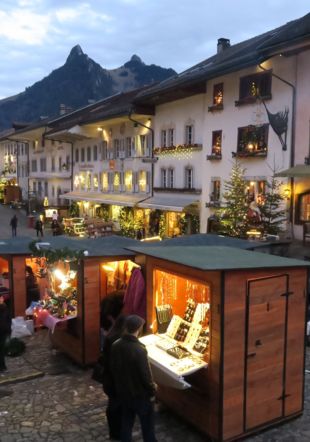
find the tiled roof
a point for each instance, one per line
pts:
(235, 57)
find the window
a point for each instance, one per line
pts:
(254, 85)
(53, 191)
(88, 181)
(129, 147)
(163, 178)
(53, 164)
(43, 164)
(143, 145)
(59, 164)
(189, 134)
(215, 194)
(34, 187)
(170, 178)
(39, 188)
(142, 181)
(95, 181)
(303, 206)
(77, 155)
(217, 142)
(116, 144)
(46, 188)
(95, 152)
(256, 190)
(218, 94)
(170, 137)
(68, 162)
(88, 154)
(104, 150)
(252, 140)
(128, 181)
(163, 138)
(189, 178)
(116, 182)
(83, 155)
(104, 181)
(33, 165)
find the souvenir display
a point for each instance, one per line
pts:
(182, 331)
(189, 311)
(192, 335)
(178, 352)
(163, 316)
(202, 342)
(173, 326)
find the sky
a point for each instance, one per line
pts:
(36, 36)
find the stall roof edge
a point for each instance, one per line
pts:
(218, 257)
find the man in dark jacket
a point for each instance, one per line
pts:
(133, 381)
(5, 331)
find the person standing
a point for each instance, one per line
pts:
(5, 331)
(114, 408)
(39, 227)
(13, 224)
(133, 380)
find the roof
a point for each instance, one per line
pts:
(206, 239)
(100, 247)
(111, 107)
(298, 171)
(219, 258)
(104, 198)
(241, 55)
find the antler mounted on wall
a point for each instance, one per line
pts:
(279, 123)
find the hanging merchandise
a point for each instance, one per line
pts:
(135, 295)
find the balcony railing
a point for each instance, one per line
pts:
(178, 148)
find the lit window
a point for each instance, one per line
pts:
(218, 94)
(128, 181)
(104, 181)
(252, 140)
(217, 142)
(142, 181)
(254, 85)
(116, 181)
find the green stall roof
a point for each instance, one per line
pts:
(96, 247)
(218, 257)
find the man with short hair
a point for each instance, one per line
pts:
(133, 381)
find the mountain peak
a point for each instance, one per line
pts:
(76, 51)
(136, 58)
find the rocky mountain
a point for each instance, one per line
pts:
(78, 82)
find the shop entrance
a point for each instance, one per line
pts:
(265, 350)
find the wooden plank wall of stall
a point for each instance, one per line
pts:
(234, 345)
(18, 285)
(199, 405)
(91, 311)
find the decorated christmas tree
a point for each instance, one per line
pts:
(233, 217)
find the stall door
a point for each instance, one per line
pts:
(265, 350)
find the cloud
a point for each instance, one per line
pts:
(24, 26)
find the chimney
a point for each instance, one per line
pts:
(222, 44)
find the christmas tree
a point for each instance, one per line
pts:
(233, 217)
(272, 213)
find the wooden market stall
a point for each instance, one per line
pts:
(103, 269)
(226, 336)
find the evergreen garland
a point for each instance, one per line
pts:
(55, 255)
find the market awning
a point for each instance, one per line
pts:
(299, 171)
(173, 203)
(103, 198)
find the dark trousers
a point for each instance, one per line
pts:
(144, 409)
(39, 231)
(114, 417)
(13, 231)
(2, 350)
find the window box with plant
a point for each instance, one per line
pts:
(252, 141)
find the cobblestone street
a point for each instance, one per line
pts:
(45, 397)
(62, 403)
